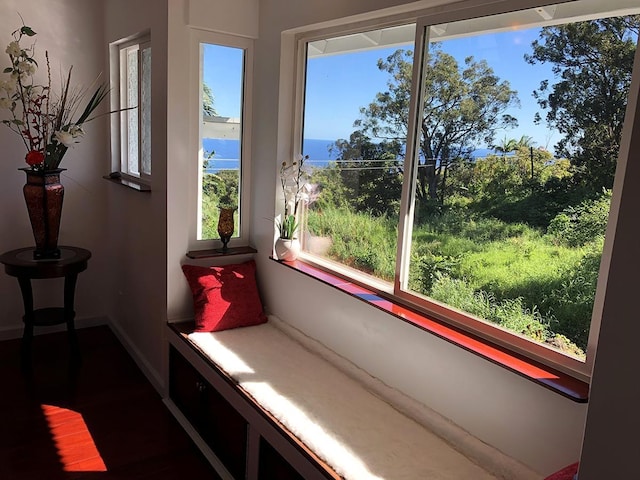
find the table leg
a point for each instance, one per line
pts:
(70, 314)
(28, 319)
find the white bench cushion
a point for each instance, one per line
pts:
(358, 434)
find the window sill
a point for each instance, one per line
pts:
(215, 252)
(126, 182)
(541, 374)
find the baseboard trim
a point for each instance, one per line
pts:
(154, 377)
(15, 331)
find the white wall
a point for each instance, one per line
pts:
(149, 232)
(611, 436)
(528, 422)
(235, 17)
(139, 240)
(136, 243)
(71, 31)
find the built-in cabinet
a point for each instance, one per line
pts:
(242, 437)
(218, 423)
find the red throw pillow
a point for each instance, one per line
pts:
(225, 297)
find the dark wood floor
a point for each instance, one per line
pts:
(101, 421)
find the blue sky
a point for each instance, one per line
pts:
(504, 52)
(222, 71)
(341, 84)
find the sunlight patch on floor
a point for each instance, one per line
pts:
(76, 449)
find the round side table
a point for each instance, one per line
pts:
(21, 264)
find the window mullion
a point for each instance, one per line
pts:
(411, 161)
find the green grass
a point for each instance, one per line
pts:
(359, 241)
(510, 274)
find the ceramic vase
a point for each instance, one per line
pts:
(225, 226)
(287, 249)
(43, 194)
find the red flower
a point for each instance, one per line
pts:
(34, 157)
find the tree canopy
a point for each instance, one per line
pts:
(371, 173)
(464, 105)
(208, 100)
(592, 61)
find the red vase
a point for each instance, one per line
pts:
(43, 194)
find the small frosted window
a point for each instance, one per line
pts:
(145, 112)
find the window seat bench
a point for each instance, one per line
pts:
(266, 406)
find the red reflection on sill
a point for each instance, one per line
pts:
(548, 377)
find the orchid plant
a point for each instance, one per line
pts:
(44, 121)
(293, 183)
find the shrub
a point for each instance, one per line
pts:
(460, 221)
(585, 223)
(510, 313)
(571, 303)
(426, 268)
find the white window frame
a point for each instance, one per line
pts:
(424, 18)
(119, 102)
(241, 237)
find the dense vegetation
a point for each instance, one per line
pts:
(536, 282)
(218, 190)
(514, 238)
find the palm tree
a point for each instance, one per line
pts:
(525, 141)
(506, 146)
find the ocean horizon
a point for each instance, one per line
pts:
(227, 152)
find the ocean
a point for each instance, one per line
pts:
(227, 152)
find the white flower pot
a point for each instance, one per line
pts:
(287, 249)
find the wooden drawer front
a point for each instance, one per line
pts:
(186, 386)
(273, 466)
(225, 431)
(217, 422)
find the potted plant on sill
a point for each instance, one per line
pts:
(287, 245)
(292, 181)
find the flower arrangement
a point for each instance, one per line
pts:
(293, 183)
(44, 121)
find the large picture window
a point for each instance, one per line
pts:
(464, 165)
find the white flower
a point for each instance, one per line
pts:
(5, 103)
(302, 197)
(8, 85)
(65, 138)
(26, 68)
(76, 131)
(14, 49)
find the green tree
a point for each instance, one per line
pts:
(526, 141)
(499, 178)
(506, 146)
(592, 61)
(371, 173)
(208, 108)
(463, 106)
